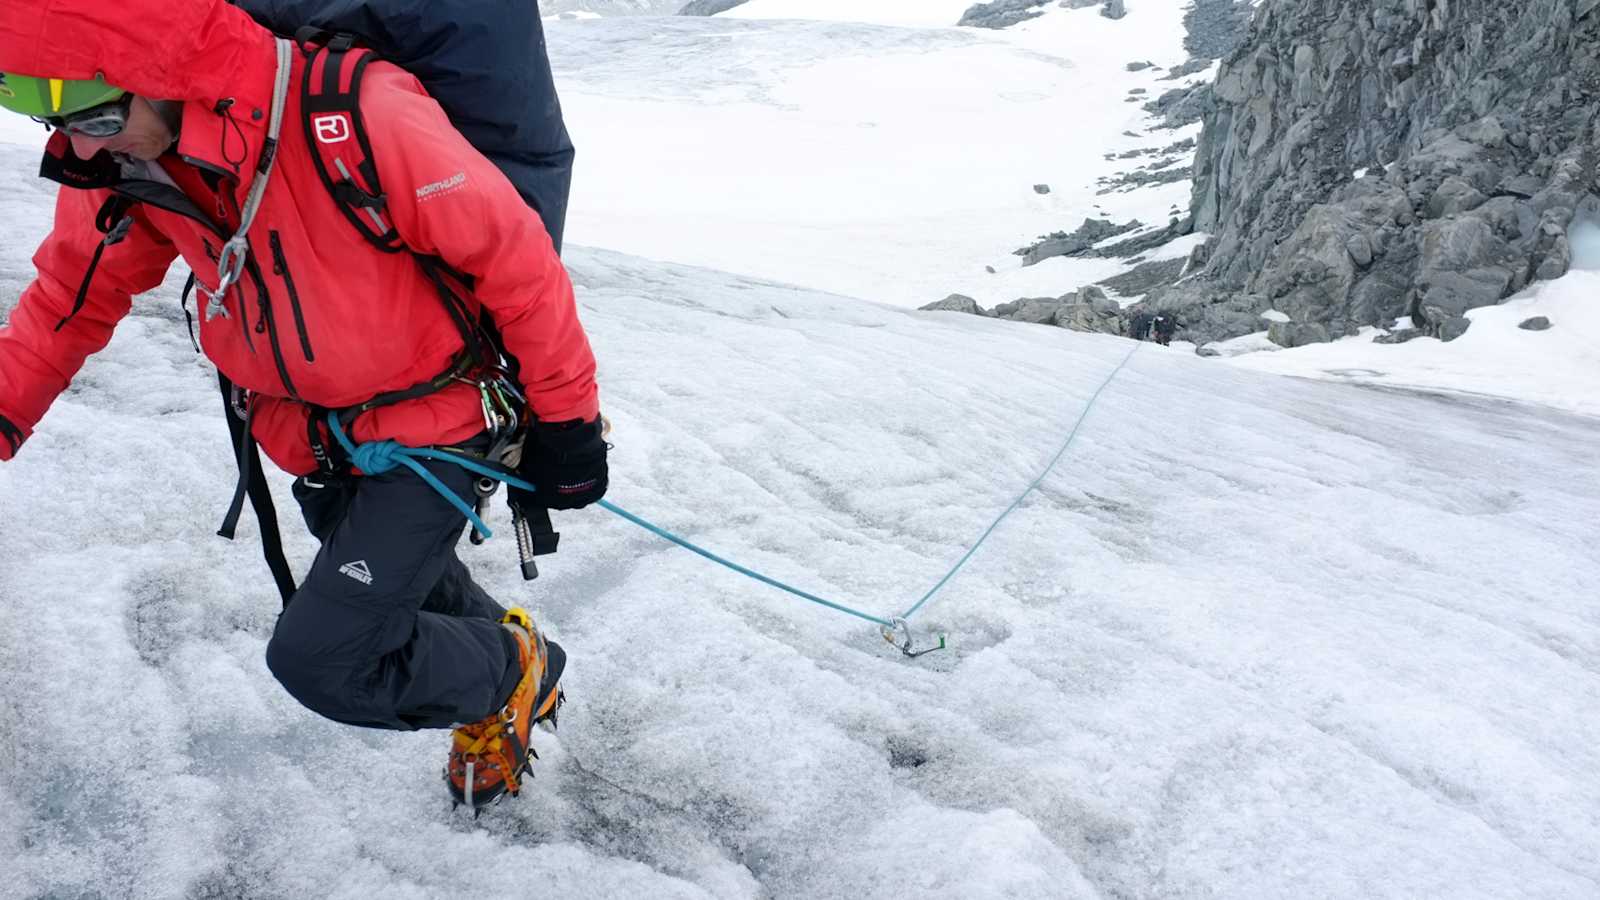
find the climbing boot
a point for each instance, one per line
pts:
(488, 758)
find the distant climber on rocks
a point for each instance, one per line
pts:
(1139, 328)
(366, 276)
(1164, 327)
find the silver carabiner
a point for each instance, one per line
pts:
(230, 265)
(898, 634)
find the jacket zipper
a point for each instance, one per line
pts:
(263, 301)
(280, 267)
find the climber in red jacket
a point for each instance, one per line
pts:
(178, 132)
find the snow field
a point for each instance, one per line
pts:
(887, 162)
(1255, 637)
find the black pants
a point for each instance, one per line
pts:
(388, 630)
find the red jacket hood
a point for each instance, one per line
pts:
(201, 52)
(192, 50)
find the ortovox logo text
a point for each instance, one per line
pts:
(333, 128)
(357, 570)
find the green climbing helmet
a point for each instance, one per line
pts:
(53, 98)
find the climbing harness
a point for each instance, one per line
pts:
(378, 457)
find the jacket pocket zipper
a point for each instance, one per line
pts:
(280, 267)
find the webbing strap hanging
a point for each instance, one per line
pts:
(253, 483)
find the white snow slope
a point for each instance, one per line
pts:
(874, 160)
(1255, 637)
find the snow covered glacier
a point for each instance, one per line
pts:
(1254, 637)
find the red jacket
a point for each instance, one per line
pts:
(325, 318)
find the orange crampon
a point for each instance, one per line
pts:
(488, 758)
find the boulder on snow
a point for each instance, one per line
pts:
(1537, 323)
(1297, 334)
(956, 303)
(1452, 328)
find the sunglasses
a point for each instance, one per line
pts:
(104, 121)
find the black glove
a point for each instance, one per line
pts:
(566, 463)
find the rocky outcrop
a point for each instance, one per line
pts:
(1001, 13)
(709, 7)
(957, 303)
(1079, 242)
(1365, 160)
(1089, 309)
(1006, 13)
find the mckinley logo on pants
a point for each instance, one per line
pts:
(358, 570)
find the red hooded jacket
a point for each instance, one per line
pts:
(323, 316)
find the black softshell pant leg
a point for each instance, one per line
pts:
(389, 630)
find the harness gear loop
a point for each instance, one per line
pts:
(231, 261)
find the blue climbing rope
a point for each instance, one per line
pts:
(898, 621)
(695, 548)
(1033, 486)
(378, 457)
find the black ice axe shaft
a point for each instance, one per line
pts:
(536, 536)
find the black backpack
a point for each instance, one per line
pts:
(484, 61)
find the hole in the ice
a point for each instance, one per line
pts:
(905, 753)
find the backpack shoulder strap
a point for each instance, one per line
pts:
(337, 136)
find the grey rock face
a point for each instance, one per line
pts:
(1537, 323)
(1114, 9)
(1474, 123)
(1214, 29)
